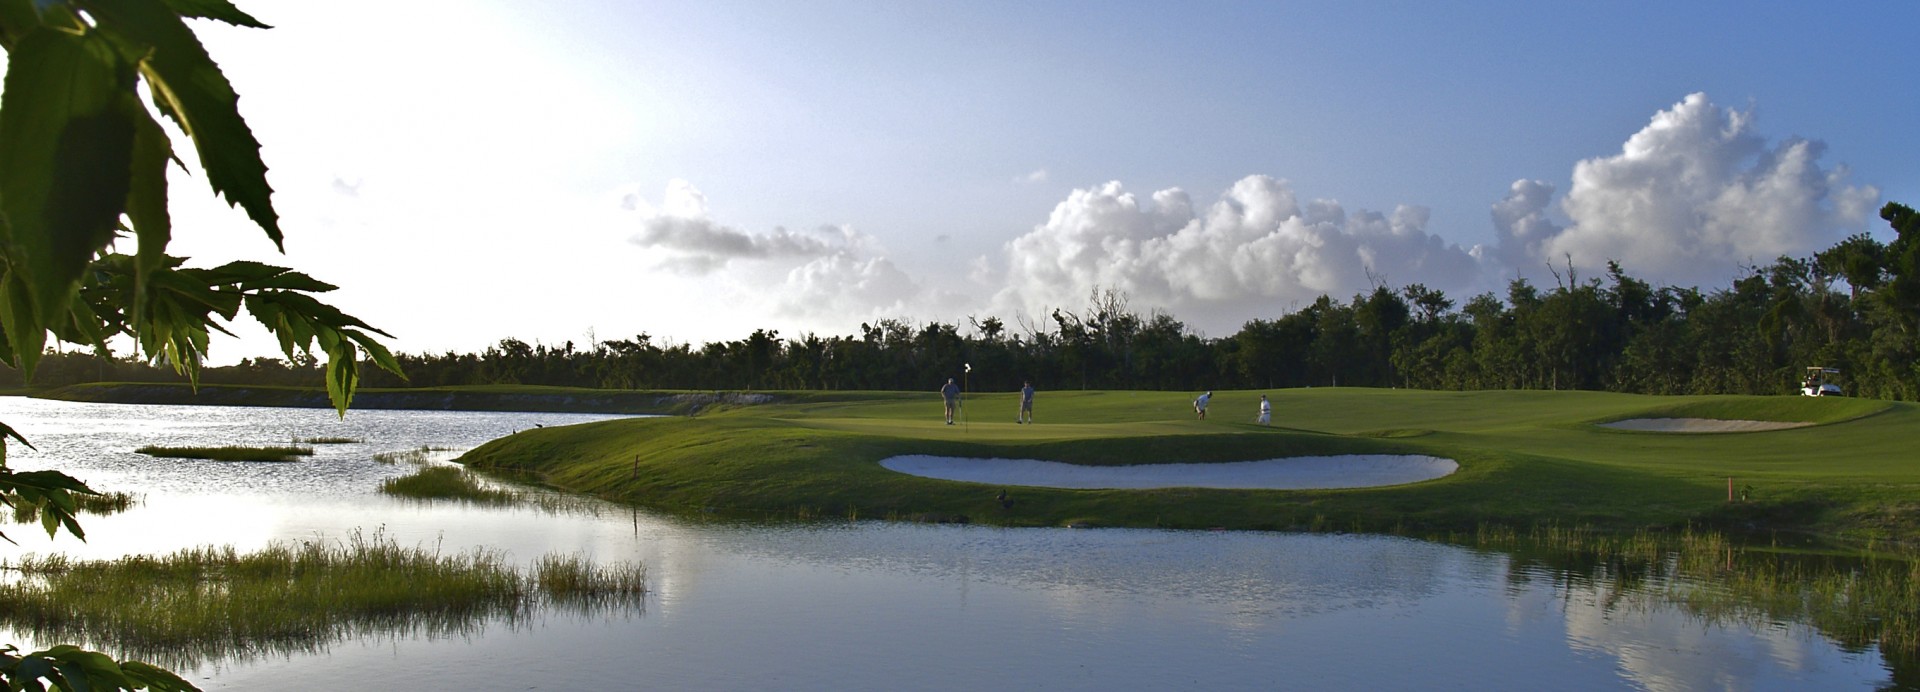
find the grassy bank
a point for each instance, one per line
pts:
(1527, 458)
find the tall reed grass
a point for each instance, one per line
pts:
(208, 604)
(448, 483)
(409, 456)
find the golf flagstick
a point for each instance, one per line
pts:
(966, 378)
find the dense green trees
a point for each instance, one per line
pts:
(1855, 306)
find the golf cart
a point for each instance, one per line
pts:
(1821, 382)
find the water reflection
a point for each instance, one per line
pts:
(872, 605)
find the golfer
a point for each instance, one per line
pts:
(951, 393)
(1266, 411)
(1026, 404)
(1200, 404)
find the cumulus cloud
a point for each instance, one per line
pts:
(1689, 199)
(1521, 224)
(831, 274)
(1036, 176)
(682, 226)
(844, 284)
(1254, 252)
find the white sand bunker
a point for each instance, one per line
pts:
(1291, 473)
(1700, 425)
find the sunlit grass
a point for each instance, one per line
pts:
(209, 603)
(229, 453)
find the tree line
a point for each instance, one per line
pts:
(1854, 306)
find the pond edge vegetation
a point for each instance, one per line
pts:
(214, 603)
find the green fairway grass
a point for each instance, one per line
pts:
(1527, 458)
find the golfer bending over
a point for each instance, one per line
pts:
(1266, 411)
(951, 393)
(1026, 404)
(1200, 404)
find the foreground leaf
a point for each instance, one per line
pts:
(188, 87)
(66, 141)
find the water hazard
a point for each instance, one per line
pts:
(873, 605)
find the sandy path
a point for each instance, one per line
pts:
(1292, 473)
(1700, 425)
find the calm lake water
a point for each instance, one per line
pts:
(874, 605)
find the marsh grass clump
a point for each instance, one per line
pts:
(446, 483)
(208, 603)
(104, 504)
(456, 483)
(416, 457)
(229, 453)
(575, 581)
(409, 456)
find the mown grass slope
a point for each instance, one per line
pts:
(1527, 457)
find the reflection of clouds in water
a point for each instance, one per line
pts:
(1259, 574)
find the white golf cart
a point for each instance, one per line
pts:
(1821, 382)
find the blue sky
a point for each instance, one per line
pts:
(474, 170)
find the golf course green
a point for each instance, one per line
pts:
(1526, 458)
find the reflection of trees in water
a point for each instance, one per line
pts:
(212, 605)
(1860, 602)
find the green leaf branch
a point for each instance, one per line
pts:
(83, 161)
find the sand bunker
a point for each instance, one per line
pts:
(1292, 473)
(1700, 425)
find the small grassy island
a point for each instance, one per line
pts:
(1849, 470)
(279, 454)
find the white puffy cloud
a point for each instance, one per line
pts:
(829, 278)
(1521, 224)
(1250, 254)
(698, 244)
(845, 285)
(1689, 199)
